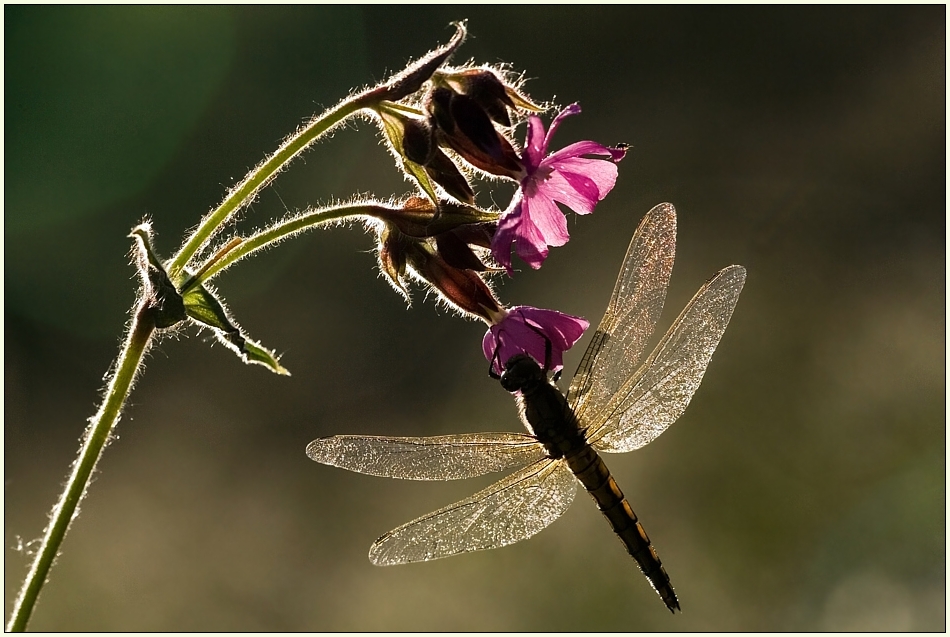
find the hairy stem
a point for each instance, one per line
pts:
(260, 176)
(272, 236)
(97, 435)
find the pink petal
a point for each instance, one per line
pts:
(579, 149)
(574, 191)
(579, 191)
(515, 226)
(529, 330)
(502, 240)
(530, 244)
(573, 109)
(567, 177)
(564, 330)
(535, 145)
(544, 215)
(603, 173)
(509, 338)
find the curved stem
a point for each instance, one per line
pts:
(98, 433)
(272, 236)
(262, 175)
(401, 85)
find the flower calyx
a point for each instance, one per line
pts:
(462, 124)
(413, 140)
(161, 300)
(392, 252)
(463, 289)
(492, 94)
(440, 247)
(419, 218)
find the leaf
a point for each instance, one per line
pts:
(205, 308)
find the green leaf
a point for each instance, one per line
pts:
(205, 308)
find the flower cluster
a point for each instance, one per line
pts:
(456, 123)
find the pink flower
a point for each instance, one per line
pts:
(533, 221)
(530, 330)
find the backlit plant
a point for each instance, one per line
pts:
(447, 128)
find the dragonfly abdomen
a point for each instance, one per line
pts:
(590, 469)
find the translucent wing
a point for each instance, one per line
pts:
(508, 511)
(433, 458)
(635, 306)
(653, 398)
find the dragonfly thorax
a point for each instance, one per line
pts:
(542, 407)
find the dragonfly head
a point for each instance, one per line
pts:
(521, 372)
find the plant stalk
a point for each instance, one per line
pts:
(97, 435)
(272, 236)
(260, 176)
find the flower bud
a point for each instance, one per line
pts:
(162, 300)
(393, 246)
(413, 140)
(478, 233)
(492, 93)
(461, 288)
(444, 172)
(457, 253)
(465, 127)
(418, 218)
(412, 79)
(417, 143)
(487, 90)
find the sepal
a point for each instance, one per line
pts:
(162, 300)
(203, 307)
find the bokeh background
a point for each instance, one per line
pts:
(804, 489)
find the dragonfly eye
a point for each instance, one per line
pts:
(520, 373)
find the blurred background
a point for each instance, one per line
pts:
(804, 488)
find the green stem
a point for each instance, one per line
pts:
(262, 175)
(98, 433)
(274, 235)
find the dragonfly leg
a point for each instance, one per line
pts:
(547, 346)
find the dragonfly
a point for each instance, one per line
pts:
(617, 401)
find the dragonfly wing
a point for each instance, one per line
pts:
(433, 458)
(508, 511)
(653, 398)
(635, 306)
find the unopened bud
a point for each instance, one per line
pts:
(162, 300)
(422, 158)
(465, 127)
(462, 288)
(393, 246)
(487, 90)
(412, 79)
(457, 253)
(417, 141)
(444, 172)
(419, 218)
(492, 93)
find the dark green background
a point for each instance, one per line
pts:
(804, 489)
